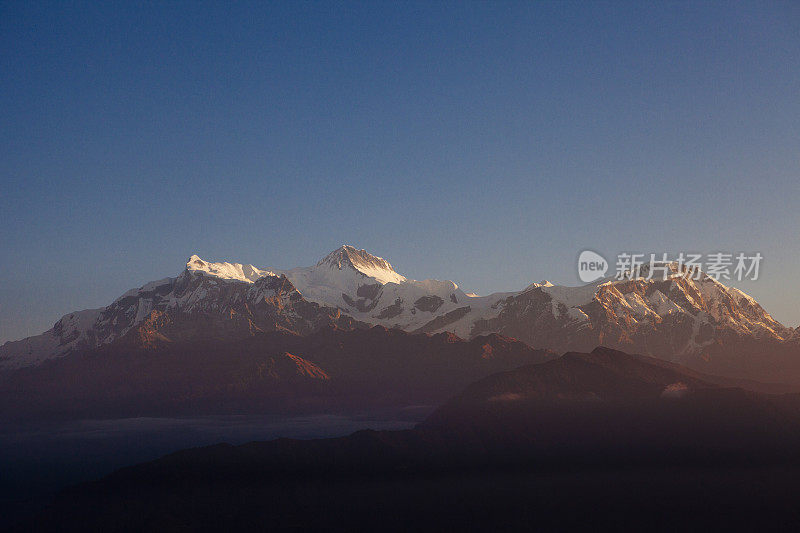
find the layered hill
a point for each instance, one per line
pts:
(602, 439)
(331, 370)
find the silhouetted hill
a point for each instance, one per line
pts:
(332, 370)
(586, 441)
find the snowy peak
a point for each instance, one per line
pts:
(224, 270)
(536, 285)
(361, 261)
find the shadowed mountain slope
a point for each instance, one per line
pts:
(331, 370)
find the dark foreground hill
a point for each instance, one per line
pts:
(587, 441)
(279, 372)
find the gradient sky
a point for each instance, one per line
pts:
(488, 143)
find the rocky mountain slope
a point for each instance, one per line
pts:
(219, 301)
(700, 322)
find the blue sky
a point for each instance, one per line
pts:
(488, 143)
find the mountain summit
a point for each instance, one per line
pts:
(361, 261)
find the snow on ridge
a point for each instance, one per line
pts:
(347, 269)
(149, 286)
(69, 332)
(225, 270)
(384, 276)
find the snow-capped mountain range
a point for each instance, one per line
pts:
(679, 318)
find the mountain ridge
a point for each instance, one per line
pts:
(699, 322)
